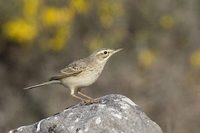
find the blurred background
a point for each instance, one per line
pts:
(159, 68)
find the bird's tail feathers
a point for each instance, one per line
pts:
(43, 84)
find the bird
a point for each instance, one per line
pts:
(81, 73)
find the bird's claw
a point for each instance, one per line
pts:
(89, 101)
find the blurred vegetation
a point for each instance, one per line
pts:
(159, 68)
(51, 26)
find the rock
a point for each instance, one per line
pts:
(112, 114)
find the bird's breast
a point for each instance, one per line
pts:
(83, 79)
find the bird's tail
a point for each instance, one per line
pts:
(43, 84)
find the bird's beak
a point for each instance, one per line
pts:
(117, 50)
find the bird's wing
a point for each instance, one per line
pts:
(72, 69)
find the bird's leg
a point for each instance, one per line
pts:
(82, 99)
(73, 91)
(89, 100)
(88, 97)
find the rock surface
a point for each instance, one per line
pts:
(112, 114)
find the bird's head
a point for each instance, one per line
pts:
(102, 55)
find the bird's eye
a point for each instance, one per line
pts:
(105, 52)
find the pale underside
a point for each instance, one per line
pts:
(79, 74)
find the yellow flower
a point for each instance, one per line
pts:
(108, 11)
(106, 14)
(80, 6)
(146, 58)
(30, 8)
(68, 15)
(59, 40)
(55, 16)
(20, 30)
(167, 22)
(195, 59)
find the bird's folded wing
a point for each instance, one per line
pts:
(72, 70)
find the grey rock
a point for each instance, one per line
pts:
(112, 114)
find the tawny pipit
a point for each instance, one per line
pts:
(81, 73)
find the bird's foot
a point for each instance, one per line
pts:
(89, 101)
